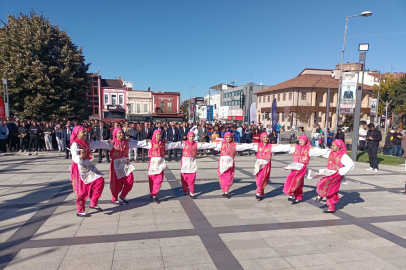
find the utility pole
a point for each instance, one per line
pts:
(378, 120)
(327, 118)
(6, 98)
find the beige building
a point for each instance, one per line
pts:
(306, 94)
(140, 104)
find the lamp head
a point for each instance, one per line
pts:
(366, 14)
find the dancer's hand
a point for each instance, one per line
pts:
(336, 167)
(82, 154)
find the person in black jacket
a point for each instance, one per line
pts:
(146, 134)
(66, 133)
(34, 132)
(24, 137)
(183, 131)
(373, 138)
(133, 134)
(172, 136)
(340, 135)
(12, 135)
(102, 133)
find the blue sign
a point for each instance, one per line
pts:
(209, 113)
(274, 115)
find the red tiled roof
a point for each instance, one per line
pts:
(308, 81)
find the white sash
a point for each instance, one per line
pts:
(259, 165)
(156, 165)
(123, 167)
(88, 172)
(226, 162)
(188, 165)
(322, 173)
(294, 166)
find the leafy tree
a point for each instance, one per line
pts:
(386, 92)
(46, 71)
(399, 98)
(185, 108)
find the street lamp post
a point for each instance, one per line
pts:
(363, 14)
(190, 103)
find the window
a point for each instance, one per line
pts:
(303, 96)
(290, 96)
(225, 95)
(95, 91)
(260, 99)
(169, 106)
(145, 108)
(106, 99)
(95, 83)
(89, 98)
(284, 97)
(120, 99)
(95, 79)
(279, 97)
(162, 106)
(114, 100)
(96, 110)
(269, 98)
(138, 108)
(96, 103)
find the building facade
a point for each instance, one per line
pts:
(306, 98)
(166, 107)
(139, 105)
(93, 95)
(114, 97)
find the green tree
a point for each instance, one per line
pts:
(386, 91)
(46, 71)
(399, 98)
(185, 108)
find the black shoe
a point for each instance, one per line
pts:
(329, 211)
(257, 197)
(96, 208)
(225, 195)
(260, 198)
(186, 193)
(143, 161)
(85, 215)
(295, 201)
(155, 199)
(66, 157)
(290, 198)
(169, 160)
(108, 161)
(318, 199)
(192, 196)
(99, 161)
(124, 200)
(116, 203)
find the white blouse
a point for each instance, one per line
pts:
(345, 160)
(75, 150)
(189, 164)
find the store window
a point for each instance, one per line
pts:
(279, 97)
(290, 96)
(114, 99)
(284, 97)
(169, 106)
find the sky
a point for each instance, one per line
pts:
(172, 45)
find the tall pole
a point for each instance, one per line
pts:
(327, 117)
(378, 118)
(6, 98)
(357, 112)
(341, 78)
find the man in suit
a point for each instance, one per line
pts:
(172, 136)
(133, 134)
(348, 94)
(66, 132)
(102, 133)
(202, 133)
(146, 134)
(183, 132)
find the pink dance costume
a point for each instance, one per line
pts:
(156, 166)
(330, 185)
(87, 181)
(121, 176)
(188, 164)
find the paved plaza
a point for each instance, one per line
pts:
(39, 228)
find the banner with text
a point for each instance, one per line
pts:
(348, 94)
(374, 107)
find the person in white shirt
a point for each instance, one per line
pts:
(362, 135)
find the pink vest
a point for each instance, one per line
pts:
(228, 149)
(190, 150)
(302, 154)
(264, 152)
(157, 149)
(334, 159)
(120, 149)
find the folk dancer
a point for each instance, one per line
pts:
(225, 170)
(339, 164)
(301, 156)
(87, 180)
(121, 176)
(188, 163)
(156, 166)
(262, 169)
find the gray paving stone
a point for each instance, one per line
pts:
(265, 264)
(308, 260)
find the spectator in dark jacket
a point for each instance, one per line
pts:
(183, 131)
(3, 136)
(34, 132)
(373, 138)
(340, 135)
(102, 133)
(388, 143)
(66, 132)
(133, 134)
(172, 135)
(24, 137)
(12, 135)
